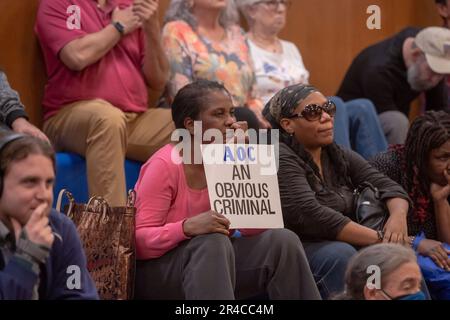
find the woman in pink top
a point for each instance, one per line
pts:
(184, 248)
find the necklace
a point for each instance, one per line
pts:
(272, 46)
(213, 37)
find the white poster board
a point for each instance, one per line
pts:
(243, 184)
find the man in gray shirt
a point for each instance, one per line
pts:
(12, 111)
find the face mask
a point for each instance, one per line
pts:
(416, 296)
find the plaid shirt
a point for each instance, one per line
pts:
(7, 245)
(10, 106)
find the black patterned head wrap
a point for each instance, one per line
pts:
(284, 103)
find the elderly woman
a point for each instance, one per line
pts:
(383, 272)
(203, 40)
(183, 247)
(278, 63)
(317, 179)
(422, 167)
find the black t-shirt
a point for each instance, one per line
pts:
(379, 73)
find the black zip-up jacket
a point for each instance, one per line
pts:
(317, 209)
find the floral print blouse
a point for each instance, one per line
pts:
(192, 57)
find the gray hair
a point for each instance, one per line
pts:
(243, 3)
(388, 257)
(181, 10)
(243, 6)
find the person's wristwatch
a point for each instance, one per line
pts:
(120, 27)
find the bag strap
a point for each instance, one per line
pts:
(69, 196)
(100, 205)
(365, 185)
(100, 201)
(131, 198)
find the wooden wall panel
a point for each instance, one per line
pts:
(329, 34)
(20, 55)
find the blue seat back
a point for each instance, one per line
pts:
(71, 175)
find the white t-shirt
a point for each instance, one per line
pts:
(275, 71)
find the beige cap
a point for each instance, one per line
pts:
(435, 43)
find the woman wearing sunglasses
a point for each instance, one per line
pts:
(278, 63)
(317, 179)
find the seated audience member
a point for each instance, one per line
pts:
(394, 72)
(383, 272)
(203, 40)
(421, 167)
(443, 7)
(101, 57)
(184, 248)
(278, 64)
(317, 178)
(38, 246)
(12, 111)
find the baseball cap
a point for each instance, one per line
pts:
(435, 43)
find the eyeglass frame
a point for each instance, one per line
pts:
(324, 108)
(271, 3)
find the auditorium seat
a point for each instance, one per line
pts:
(71, 175)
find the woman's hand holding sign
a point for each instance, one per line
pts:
(205, 223)
(240, 133)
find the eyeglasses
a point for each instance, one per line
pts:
(273, 4)
(313, 112)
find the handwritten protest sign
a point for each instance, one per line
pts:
(243, 184)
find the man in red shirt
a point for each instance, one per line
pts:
(101, 57)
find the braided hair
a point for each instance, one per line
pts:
(427, 132)
(334, 152)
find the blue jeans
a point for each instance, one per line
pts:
(357, 127)
(328, 261)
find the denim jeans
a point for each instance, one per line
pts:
(357, 127)
(328, 261)
(395, 125)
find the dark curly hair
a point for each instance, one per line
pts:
(427, 132)
(335, 153)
